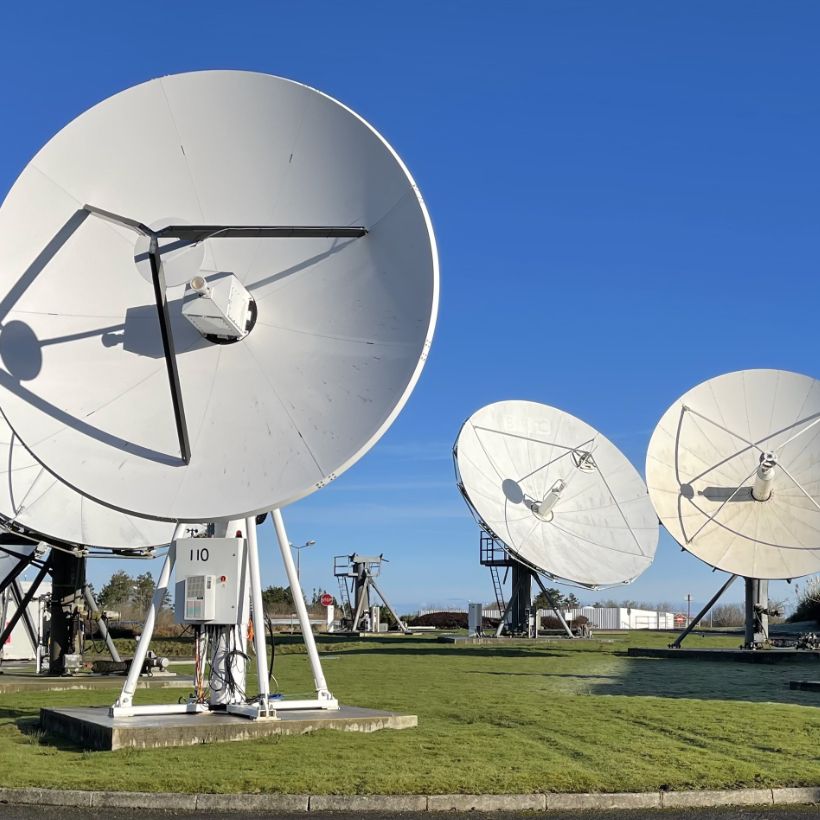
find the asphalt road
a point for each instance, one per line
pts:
(8, 812)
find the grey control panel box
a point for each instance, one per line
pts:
(210, 577)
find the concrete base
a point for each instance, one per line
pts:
(806, 685)
(737, 655)
(92, 728)
(30, 682)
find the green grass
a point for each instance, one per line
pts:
(546, 716)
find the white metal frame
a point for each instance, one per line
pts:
(261, 706)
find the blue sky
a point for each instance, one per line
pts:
(625, 197)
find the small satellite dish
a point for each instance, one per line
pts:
(217, 291)
(733, 472)
(561, 497)
(36, 504)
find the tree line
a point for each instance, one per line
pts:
(131, 596)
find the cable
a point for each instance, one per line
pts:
(271, 676)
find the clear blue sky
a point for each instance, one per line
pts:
(625, 197)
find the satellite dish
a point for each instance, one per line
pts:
(561, 497)
(733, 473)
(36, 504)
(219, 290)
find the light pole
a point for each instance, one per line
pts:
(299, 548)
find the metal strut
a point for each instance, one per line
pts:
(554, 608)
(30, 593)
(160, 295)
(702, 614)
(98, 618)
(390, 609)
(31, 630)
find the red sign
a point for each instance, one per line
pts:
(326, 599)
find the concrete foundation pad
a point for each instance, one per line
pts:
(92, 728)
(807, 685)
(736, 655)
(23, 682)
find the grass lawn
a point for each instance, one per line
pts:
(545, 716)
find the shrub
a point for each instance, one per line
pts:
(727, 615)
(440, 620)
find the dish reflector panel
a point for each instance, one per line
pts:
(33, 501)
(561, 496)
(344, 315)
(734, 439)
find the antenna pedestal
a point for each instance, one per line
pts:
(362, 570)
(757, 613)
(67, 608)
(517, 620)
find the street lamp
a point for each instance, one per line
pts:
(299, 548)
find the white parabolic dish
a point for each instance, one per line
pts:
(36, 503)
(702, 463)
(343, 328)
(602, 529)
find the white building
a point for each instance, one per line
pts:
(619, 617)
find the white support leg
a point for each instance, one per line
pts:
(325, 698)
(258, 619)
(124, 704)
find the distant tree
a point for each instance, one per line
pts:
(728, 615)
(561, 601)
(117, 591)
(143, 592)
(133, 594)
(273, 597)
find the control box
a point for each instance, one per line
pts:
(210, 580)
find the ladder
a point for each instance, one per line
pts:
(498, 588)
(344, 597)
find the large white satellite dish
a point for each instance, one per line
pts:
(733, 470)
(561, 497)
(272, 193)
(35, 503)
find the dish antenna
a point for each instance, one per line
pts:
(559, 496)
(220, 290)
(732, 472)
(212, 274)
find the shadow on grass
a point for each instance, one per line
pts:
(543, 675)
(710, 680)
(454, 652)
(27, 722)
